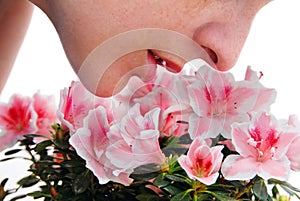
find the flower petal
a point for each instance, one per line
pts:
(276, 169)
(237, 168)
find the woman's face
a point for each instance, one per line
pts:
(220, 27)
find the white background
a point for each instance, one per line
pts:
(272, 47)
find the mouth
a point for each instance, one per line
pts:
(172, 63)
(175, 63)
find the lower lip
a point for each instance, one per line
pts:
(173, 67)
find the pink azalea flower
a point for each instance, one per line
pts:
(137, 91)
(45, 108)
(160, 92)
(134, 140)
(172, 112)
(262, 145)
(218, 101)
(202, 162)
(75, 103)
(91, 142)
(16, 119)
(266, 96)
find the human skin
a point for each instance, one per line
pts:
(15, 16)
(220, 27)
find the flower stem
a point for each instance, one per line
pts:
(28, 149)
(248, 188)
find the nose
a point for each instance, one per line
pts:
(224, 36)
(222, 43)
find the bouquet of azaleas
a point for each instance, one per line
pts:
(196, 135)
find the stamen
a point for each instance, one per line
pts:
(260, 74)
(182, 122)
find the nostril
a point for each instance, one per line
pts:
(211, 54)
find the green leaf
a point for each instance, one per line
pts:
(148, 197)
(183, 196)
(18, 197)
(3, 182)
(144, 177)
(160, 181)
(35, 135)
(178, 178)
(28, 181)
(275, 191)
(71, 176)
(221, 196)
(26, 142)
(6, 159)
(173, 190)
(81, 182)
(289, 191)
(47, 163)
(42, 145)
(284, 183)
(72, 163)
(260, 190)
(203, 197)
(13, 151)
(38, 194)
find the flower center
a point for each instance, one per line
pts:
(265, 147)
(218, 100)
(202, 167)
(218, 108)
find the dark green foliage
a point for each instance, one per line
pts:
(61, 175)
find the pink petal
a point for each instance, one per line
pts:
(121, 156)
(206, 127)
(294, 122)
(198, 98)
(218, 157)
(229, 120)
(251, 75)
(242, 98)
(202, 158)
(240, 140)
(82, 143)
(283, 144)
(186, 164)
(293, 154)
(8, 139)
(277, 169)
(265, 98)
(198, 127)
(237, 168)
(146, 148)
(84, 151)
(45, 108)
(211, 179)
